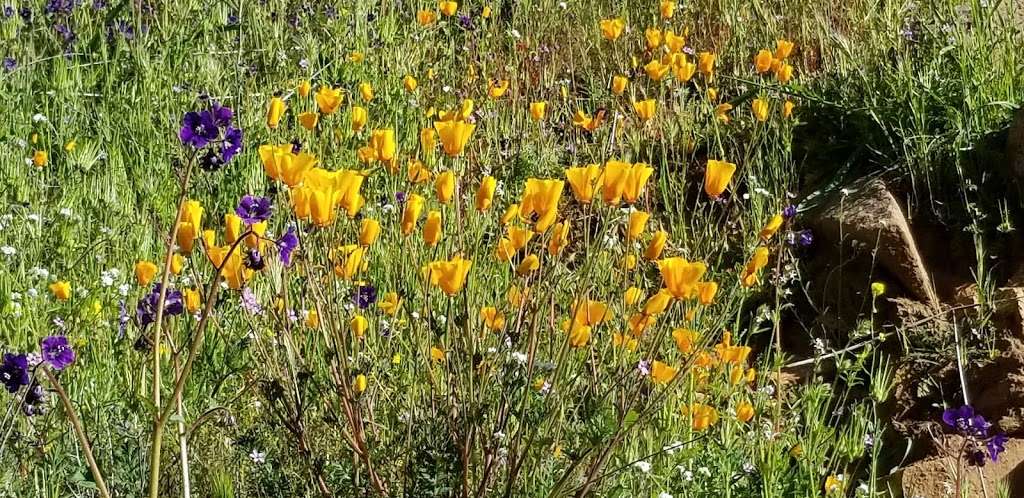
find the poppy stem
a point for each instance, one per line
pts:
(154, 458)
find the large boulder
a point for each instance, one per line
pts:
(867, 217)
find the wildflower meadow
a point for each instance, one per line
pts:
(511, 248)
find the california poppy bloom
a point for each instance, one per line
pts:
(304, 88)
(40, 158)
(784, 73)
(280, 163)
(369, 230)
(559, 238)
(383, 143)
(684, 71)
(497, 88)
(706, 63)
(432, 228)
(645, 109)
(702, 416)
(328, 99)
(389, 303)
(541, 198)
(493, 319)
(656, 70)
(653, 37)
(637, 222)
(619, 84)
(537, 110)
(485, 193)
(681, 276)
(426, 17)
(583, 120)
(411, 214)
(359, 116)
(611, 29)
(428, 141)
(760, 109)
(583, 181)
(667, 8)
(685, 340)
(758, 261)
(529, 264)
(450, 275)
(409, 82)
(448, 8)
(771, 227)
(61, 290)
(308, 120)
(454, 135)
(706, 292)
(787, 109)
(763, 61)
(675, 43)
(444, 187)
(662, 373)
(658, 303)
(366, 91)
(656, 245)
(783, 48)
(274, 112)
(144, 272)
(717, 177)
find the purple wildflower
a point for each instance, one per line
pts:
(14, 371)
(286, 244)
(145, 311)
(66, 33)
(966, 422)
(35, 400)
(975, 431)
(253, 210)
(644, 367)
(996, 445)
(250, 303)
(8, 11)
(10, 64)
(805, 238)
(254, 260)
(60, 6)
(57, 352)
(789, 212)
(26, 14)
(198, 129)
(400, 197)
(365, 296)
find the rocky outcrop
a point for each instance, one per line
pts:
(867, 215)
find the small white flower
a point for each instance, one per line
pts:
(664, 495)
(704, 471)
(66, 212)
(106, 230)
(32, 292)
(748, 467)
(415, 315)
(672, 447)
(39, 118)
(562, 5)
(514, 33)
(387, 208)
(123, 289)
(15, 296)
(105, 280)
(39, 272)
(643, 466)
(34, 218)
(519, 358)
(258, 456)
(8, 250)
(686, 474)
